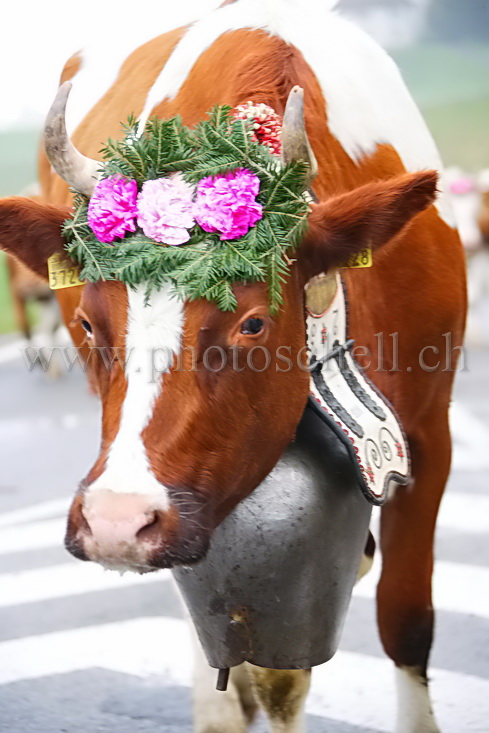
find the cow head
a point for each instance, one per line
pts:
(198, 404)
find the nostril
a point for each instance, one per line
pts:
(77, 530)
(77, 522)
(83, 526)
(151, 529)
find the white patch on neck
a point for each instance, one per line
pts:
(154, 335)
(367, 101)
(414, 713)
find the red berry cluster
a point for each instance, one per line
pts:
(267, 125)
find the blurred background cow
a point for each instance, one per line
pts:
(469, 194)
(26, 288)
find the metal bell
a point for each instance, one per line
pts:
(276, 583)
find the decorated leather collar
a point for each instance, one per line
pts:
(346, 399)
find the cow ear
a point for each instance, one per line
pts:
(31, 231)
(369, 216)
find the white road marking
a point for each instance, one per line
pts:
(464, 512)
(30, 513)
(32, 536)
(352, 688)
(457, 587)
(143, 647)
(460, 512)
(470, 440)
(70, 579)
(360, 690)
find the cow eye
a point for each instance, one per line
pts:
(252, 326)
(86, 327)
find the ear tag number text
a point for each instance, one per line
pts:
(62, 273)
(361, 259)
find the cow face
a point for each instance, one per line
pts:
(191, 396)
(198, 404)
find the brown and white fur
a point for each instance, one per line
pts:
(160, 485)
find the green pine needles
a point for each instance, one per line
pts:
(205, 267)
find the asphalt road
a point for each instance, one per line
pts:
(84, 650)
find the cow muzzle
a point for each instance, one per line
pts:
(132, 532)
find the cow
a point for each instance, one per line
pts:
(483, 213)
(179, 452)
(469, 195)
(25, 286)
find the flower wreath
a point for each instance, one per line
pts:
(204, 207)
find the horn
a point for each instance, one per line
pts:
(79, 172)
(295, 143)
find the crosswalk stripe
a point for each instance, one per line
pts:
(457, 587)
(359, 689)
(70, 579)
(470, 437)
(460, 512)
(33, 536)
(464, 512)
(33, 512)
(351, 688)
(142, 646)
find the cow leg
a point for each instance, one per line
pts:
(220, 712)
(21, 316)
(404, 604)
(281, 694)
(367, 558)
(49, 323)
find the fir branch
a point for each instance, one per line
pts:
(88, 252)
(254, 267)
(205, 267)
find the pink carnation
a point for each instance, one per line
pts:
(165, 210)
(227, 203)
(112, 208)
(462, 186)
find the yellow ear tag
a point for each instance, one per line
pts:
(62, 273)
(361, 259)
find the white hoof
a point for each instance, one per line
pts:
(414, 712)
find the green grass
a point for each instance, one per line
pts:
(7, 321)
(451, 85)
(462, 133)
(18, 156)
(439, 74)
(18, 168)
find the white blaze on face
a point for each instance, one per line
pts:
(154, 334)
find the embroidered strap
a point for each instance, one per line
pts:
(348, 401)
